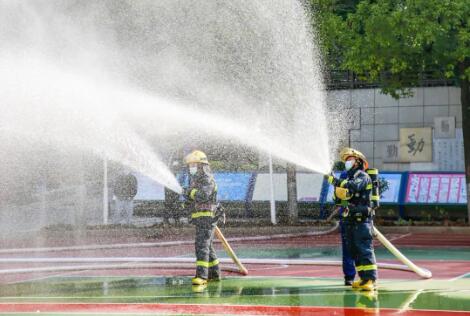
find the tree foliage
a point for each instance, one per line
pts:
(394, 42)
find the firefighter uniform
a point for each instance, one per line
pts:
(202, 199)
(358, 216)
(358, 224)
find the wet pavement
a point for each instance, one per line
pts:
(402, 295)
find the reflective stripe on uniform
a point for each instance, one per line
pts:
(204, 264)
(193, 194)
(202, 214)
(369, 187)
(375, 198)
(372, 171)
(207, 264)
(343, 183)
(330, 179)
(366, 267)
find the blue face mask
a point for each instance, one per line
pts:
(349, 164)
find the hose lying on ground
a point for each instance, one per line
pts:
(424, 273)
(164, 263)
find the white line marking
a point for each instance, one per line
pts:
(459, 277)
(400, 237)
(167, 243)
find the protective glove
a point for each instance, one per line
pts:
(332, 180)
(190, 194)
(186, 192)
(220, 214)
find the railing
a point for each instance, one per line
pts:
(339, 79)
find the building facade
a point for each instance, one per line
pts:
(420, 133)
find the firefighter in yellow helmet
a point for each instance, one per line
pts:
(356, 189)
(201, 196)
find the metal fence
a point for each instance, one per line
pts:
(339, 79)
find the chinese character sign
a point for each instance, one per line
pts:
(391, 151)
(444, 127)
(449, 152)
(432, 188)
(416, 144)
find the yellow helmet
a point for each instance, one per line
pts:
(196, 156)
(347, 152)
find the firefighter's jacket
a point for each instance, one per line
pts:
(202, 196)
(359, 185)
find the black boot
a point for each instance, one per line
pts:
(348, 281)
(214, 276)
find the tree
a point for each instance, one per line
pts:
(292, 209)
(396, 42)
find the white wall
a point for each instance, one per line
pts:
(308, 187)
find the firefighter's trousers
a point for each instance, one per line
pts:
(207, 264)
(358, 238)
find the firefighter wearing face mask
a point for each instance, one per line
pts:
(201, 195)
(356, 189)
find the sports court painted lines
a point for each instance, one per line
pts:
(463, 276)
(399, 237)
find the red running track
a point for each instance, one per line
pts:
(213, 309)
(444, 270)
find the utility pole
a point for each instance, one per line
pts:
(105, 192)
(271, 184)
